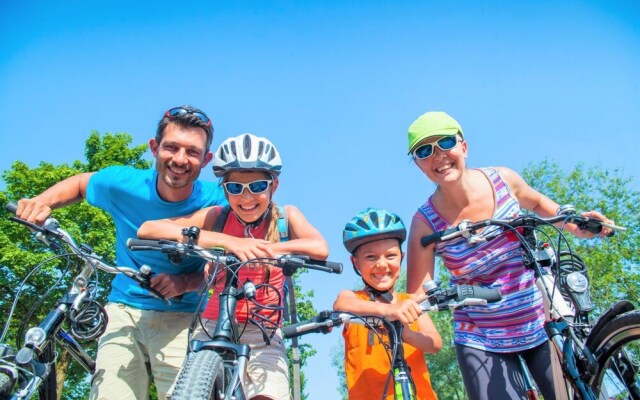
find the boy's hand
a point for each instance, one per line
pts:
(406, 311)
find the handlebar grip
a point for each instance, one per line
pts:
(590, 225)
(437, 236)
(478, 292)
(143, 244)
(333, 267)
(433, 238)
(11, 207)
(309, 326)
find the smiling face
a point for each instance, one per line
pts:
(379, 263)
(248, 206)
(180, 156)
(443, 165)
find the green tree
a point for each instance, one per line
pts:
(612, 262)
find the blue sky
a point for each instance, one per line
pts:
(334, 84)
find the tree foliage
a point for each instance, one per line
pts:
(20, 252)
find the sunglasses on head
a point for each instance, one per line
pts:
(178, 111)
(426, 150)
(255, 187)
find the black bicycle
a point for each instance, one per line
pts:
(31, 368)
(438, 299)
(597, 360)
(215, 368)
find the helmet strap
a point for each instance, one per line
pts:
(383, 296)
(252, 225)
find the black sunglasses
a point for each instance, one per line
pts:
(178, 111)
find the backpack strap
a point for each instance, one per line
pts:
(218, 226)
(283, 224)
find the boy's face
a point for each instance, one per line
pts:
(379, 263)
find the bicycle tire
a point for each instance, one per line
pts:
(201, 378)
(617, 350)
(6, 385)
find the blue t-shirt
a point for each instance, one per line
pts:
(129, 195)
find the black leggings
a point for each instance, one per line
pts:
(493, 376)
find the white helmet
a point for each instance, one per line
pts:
(247, 152)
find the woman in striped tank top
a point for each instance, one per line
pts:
(489, 338)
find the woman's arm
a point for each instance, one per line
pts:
(426, 339)
(304, 238)
(420, 260)
(532, 200)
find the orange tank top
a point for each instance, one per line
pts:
(367, 366)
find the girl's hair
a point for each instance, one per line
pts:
(273, 233)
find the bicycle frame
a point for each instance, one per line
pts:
(235, 355)
(33, 367)
(224, 340)
(438, 300)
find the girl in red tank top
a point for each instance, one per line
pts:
(249, 167)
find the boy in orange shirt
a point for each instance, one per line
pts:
(374, 238)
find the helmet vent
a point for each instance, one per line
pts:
(362, 224)
(374, 218)
(233, 149)
(387, 220)
(260, 148)
(272, 153)
(247, 145)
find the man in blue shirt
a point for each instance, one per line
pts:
(146, 338)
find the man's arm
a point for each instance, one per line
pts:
(64, 193)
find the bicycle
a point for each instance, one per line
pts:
(32, 368)
(438, 299)
(598, 360)
(215, 368)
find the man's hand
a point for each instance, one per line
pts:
(174, 285)
(33, 211)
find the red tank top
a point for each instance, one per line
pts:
(272, 276)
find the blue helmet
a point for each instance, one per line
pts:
(370, 225)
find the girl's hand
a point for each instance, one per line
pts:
(406, 311)
(249, 248)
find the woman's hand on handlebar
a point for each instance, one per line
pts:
(584, 234)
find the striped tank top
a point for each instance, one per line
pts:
(516, 322)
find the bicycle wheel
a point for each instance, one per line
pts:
(617, 349)
(201, 378)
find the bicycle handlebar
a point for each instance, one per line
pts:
(438, 300)
(50, 229)
(289, 262)
(566, 214)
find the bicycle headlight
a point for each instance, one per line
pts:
(35, 336)
(577, 282)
